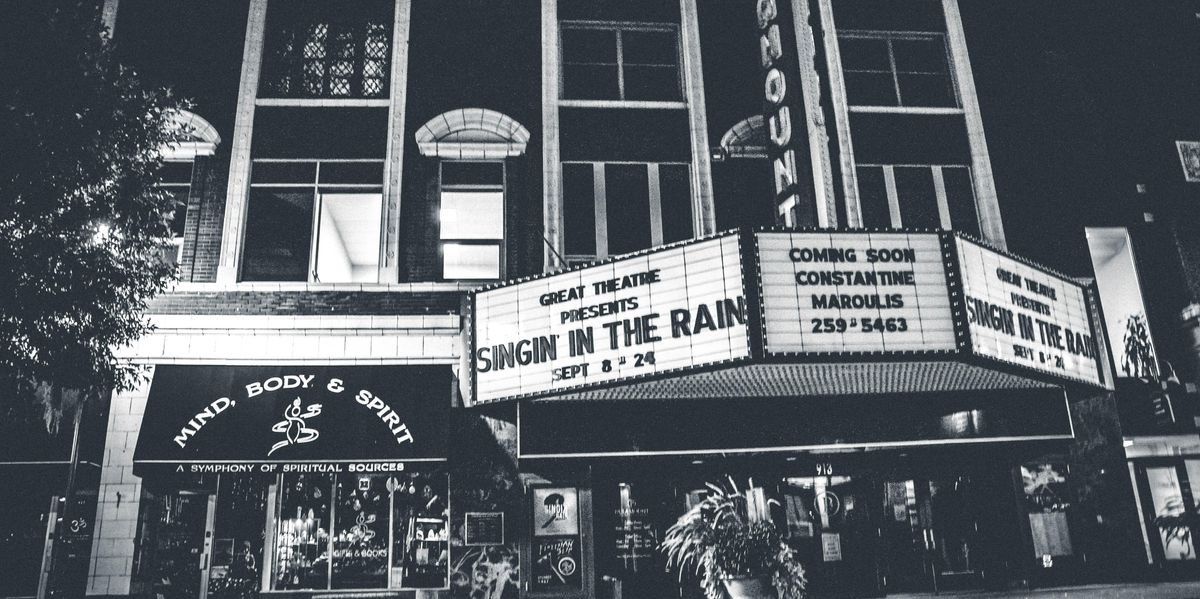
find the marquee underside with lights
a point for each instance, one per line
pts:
(777, 313)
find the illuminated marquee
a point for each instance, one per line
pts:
(1025, 316)
(854, 293)
(770, 296)
(639, 316)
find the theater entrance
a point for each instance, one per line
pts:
(930, 530)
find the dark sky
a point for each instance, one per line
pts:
(1081, 101)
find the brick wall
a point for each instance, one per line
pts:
(307, 302)
(202, 252)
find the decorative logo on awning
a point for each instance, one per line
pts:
(306, 416)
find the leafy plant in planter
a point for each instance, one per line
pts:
(1176, 524)
(719, 541)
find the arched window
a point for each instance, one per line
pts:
(198, 138)
(472, 144)
(746, 139)
(472, 134)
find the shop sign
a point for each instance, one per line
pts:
(1025, 316)
(658, 312)
(218, 419)
(854, 293)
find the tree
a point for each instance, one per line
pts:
(82, 223)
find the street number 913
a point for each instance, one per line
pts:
(866, 325)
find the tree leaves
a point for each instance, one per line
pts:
(82, 151)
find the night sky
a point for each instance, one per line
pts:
(1081, 101)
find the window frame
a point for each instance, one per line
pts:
(277, 66)
(315, 187)
(889, 37)
(939, 188)
(600, 204)
(171, 186)
(617, 27)
(500, 243)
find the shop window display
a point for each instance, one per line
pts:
(349, 531)
(302, 533)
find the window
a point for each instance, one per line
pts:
(621, 207)
(317, 50)
(312, 220)
(472, 220)
(620, 62)
(897, 69)
(346, 531)
(917, 196)
(176, 180)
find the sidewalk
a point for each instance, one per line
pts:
(1163, 590)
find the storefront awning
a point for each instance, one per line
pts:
(223, 419)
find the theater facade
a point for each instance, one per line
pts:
(893, 391)
(475, 302)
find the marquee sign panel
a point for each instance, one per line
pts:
(1026, 316)
(834, 296)
(854, 293)
(648, 314)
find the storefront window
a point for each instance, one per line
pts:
(387, 532)
(360, 547)
(302, 533)
(421, 547)
(1047, 503)
(1170, 513)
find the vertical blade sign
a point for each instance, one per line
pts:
(784, 116)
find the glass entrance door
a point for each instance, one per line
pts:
(174, 526)
(930, 531)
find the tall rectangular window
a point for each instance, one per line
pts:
(873, 197)
(620, 62)
(900, 69)
(314, 220)
(472, 220)
(176, 180)
(621, 207)
(917, 196)
(960, 198)
(323, 50)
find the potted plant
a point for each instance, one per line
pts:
(729, 541)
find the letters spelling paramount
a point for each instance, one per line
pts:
(364, 397)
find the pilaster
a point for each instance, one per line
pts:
(237, 195)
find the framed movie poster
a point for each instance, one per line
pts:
(555, 511)
(556, 563)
